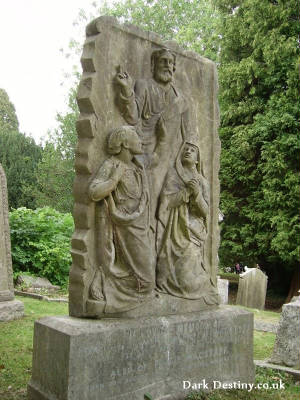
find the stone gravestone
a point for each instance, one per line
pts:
(252, 289)
(223, 285)
(287, 345)
(146, 231)
(9, 307)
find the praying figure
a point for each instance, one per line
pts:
(125, 275)
(182, 230)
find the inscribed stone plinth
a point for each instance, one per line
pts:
(287, 345)
(252, 289)
(78, 359)
(9, 307)
(223, 290)
(147, 165)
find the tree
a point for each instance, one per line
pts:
(55, 171)
(18, 155)
(8, 118)
(260, 118)
(191, 23)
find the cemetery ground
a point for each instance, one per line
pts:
(16, 353)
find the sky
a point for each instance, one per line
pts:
(32, 67)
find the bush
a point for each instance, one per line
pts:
(40, 243)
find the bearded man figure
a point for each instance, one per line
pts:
(160, 114)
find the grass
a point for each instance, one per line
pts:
(263, 377)
(262, 315)
(16, 356)
(263, 345)
(16, 347)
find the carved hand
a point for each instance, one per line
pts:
(193, 185)
(116, 173)
(125, 81)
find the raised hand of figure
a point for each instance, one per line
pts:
(116, 172)
(125, 81)
(193, 185)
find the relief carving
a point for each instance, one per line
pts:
(145, 204)
(125, 273)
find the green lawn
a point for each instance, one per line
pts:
(16, 354)
(266, 316)
(16, 346)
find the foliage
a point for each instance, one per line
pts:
(40, 241)
(55, 171)
(19, 156)
(259, 167)
(191, 23)
(8, 118)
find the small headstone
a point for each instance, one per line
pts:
(252, 289)
(287, 345)
(222, 285)
(9, 307)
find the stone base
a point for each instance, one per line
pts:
(110, 359)
(10, 310)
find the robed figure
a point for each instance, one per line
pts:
(182, 230)
(125, 275)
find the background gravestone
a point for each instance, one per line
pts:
(287, 345)
(252, 289)
(9, 307)
(154, 347)
(223, 290)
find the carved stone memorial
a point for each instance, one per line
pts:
(9, 307)
(287, 344)
(143, 285)
(252, 289)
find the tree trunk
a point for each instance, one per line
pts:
(295, 285)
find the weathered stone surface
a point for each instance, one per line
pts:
(265, 326)
(287, 345)
(77, 359)
(36, 282)
(160, 304)
(6, 279)
(10, 310)
(131, 86)
(252, 289)
(223, 290)
(281, 368)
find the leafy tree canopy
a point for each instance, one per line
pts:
(8, 118)
(18, 155)
(55, 171)
(259, 64)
